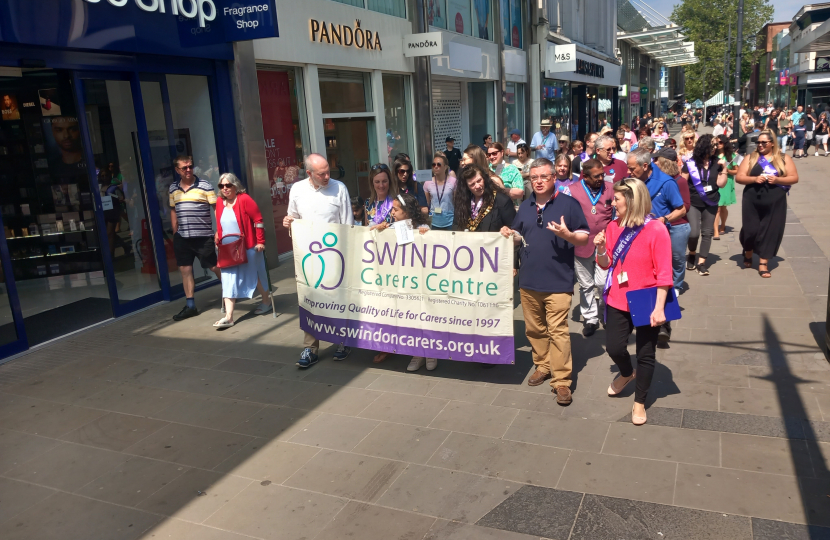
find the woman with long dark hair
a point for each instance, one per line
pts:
(768, 175)
(480, 205)
(706, 175)
(406, 183)
(772, 122)
(727, 194)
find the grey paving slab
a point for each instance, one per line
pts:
(633, 478)
(520, 462)
(275, 422)
(63, 515)
(820, 458)
(453, 530)
(342, 377)
(335, 432)
(404, 408)
(765, 454)
(114, 431)
(132, 482)
(194, 495)
(175, 529)
(209, 411)
(766, 529)
(189, 445)
(766, 426)
(335, 399)
(18, 496)
(369, 522)
(548, 430)
(249, 366)
(401, 442)
(459, 391)
(132, 399)
(446, 494)
(58, 388)
(268, 390)
(815, 501)
(536, 511)
(411, 384)
(660, 416)
(17, 448)
(663, 443)
(487, 420)
(277, 512)
(607, 518)
(67, 466)
(816, 431)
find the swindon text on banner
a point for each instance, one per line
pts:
(446, 295)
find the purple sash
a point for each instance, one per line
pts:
(618, 255)
(583, 157)
(772, 171)
(694, 174)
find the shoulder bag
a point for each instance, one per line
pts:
(233, 253)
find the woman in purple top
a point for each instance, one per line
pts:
(562, 166)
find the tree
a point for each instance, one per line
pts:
(709, 20)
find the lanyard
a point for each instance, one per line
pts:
(594, 200)
(440, 195)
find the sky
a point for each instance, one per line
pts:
(784, 9)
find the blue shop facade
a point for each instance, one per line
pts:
(97, 98)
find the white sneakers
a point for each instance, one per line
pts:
(418, 361)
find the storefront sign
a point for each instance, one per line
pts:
(623, 90)
(561, 58)
(793, 80)
(203, 10)
(426, 44)
(635, 97)
(822, 63)
(583, 67)
(345, 35)
(783, 78)
(644, 90)
(442, 295)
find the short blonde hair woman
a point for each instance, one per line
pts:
(648, 264)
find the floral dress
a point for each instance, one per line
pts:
(379, 211)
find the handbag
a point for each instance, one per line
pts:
(232, 254)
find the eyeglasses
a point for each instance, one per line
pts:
(437, 164)
(225, 186)
(493, 153)
(381, 166)
(186, 167)
(762, 142)
(405, 171)
(542, 177)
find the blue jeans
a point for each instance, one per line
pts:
(679, 235)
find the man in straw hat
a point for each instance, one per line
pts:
(543, 142)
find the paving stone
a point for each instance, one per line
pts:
(660, 416)
(18, 496)
(762, 402)
(175, 529)
(639, 479)
(458, 391)
(418, 386)
(536, 511)
(272, 460)
(607, 518)
(276, 512)
(276, 423)
(342, 377)
(815, 430)
(815, 501)
(765, 454)
(132, 482)
(404, 408)
(249, 366)
(765, 426)
(487, 420)
(446, 494)
(335, 432)
(368, 522)
(59, 388)
(199, 381)
(335, 399)
(548, 430)
(17, 448)
(452, 530)
(520, 462)
(401, 442)
(820, 458)
(67, 466)
(766, 529)
(114, 431)
(189, 445)
(133, 399)
(663, 443)
(268, 390)
(63, 515)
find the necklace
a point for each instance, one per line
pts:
(594, 200)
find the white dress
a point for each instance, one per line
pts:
(240, 281)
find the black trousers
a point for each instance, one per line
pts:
(618, 327)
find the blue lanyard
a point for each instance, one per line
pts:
(594, 200)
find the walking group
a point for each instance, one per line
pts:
(615, 215)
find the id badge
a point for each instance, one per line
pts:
(622, 277)
(609, 178)
(437, 210)
(707, 189)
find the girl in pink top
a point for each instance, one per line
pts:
(646, 263)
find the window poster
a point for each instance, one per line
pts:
(8, 107)
(280, 146)
(482, 15)
(50, 102)
(64, 153)
(458, 16)
(516, 23)
(437, 12)
(506, 26)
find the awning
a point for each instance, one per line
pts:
(644, 28)
(717, 100)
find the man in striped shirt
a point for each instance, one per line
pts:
(191, 206)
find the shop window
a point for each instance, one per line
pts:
(345, 91)
(482, 110)
(511, 22)
(192, 116)
(389, 7)
(356, 3)
(469, 17)
(437, 13)
(286, 140)
(514, 106)
(396, 111)
(556, 105)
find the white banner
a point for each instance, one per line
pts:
(445, 295)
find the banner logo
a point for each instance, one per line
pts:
(316, 248)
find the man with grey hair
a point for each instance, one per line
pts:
(325, 200)
(646, 143)
(615, 170)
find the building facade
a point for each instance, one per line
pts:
(810, 56)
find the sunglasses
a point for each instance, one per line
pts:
(437, 164)
(493, 153)
(405, 171)
(763, 142)
(225, 186)
(186, 168)
(381, 166)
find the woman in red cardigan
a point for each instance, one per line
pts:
(641, 252)
(236, 214)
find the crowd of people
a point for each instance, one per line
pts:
(613, 214)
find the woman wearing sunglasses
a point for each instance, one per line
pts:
(406, 183)
(381, 193)
(768, 175)
(439, 193)
(687, 147)
(238, 218)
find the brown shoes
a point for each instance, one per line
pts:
(538, 378)
(563, 395)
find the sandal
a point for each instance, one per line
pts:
(747, 261)
(764, 273)
(223, 323)
(380, 357)
(263, 309)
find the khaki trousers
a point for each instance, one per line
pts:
(310, 342)
(546, 327)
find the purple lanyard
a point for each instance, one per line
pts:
(772, 171)
(618, 255)
(694, 174)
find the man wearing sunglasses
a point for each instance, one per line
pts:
(548, 226)
(615, 170)
(191, 202)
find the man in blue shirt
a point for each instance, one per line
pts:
(544, 142)
(796, 116)
(548, 225)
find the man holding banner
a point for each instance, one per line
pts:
(324, 200)
(548, 227)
